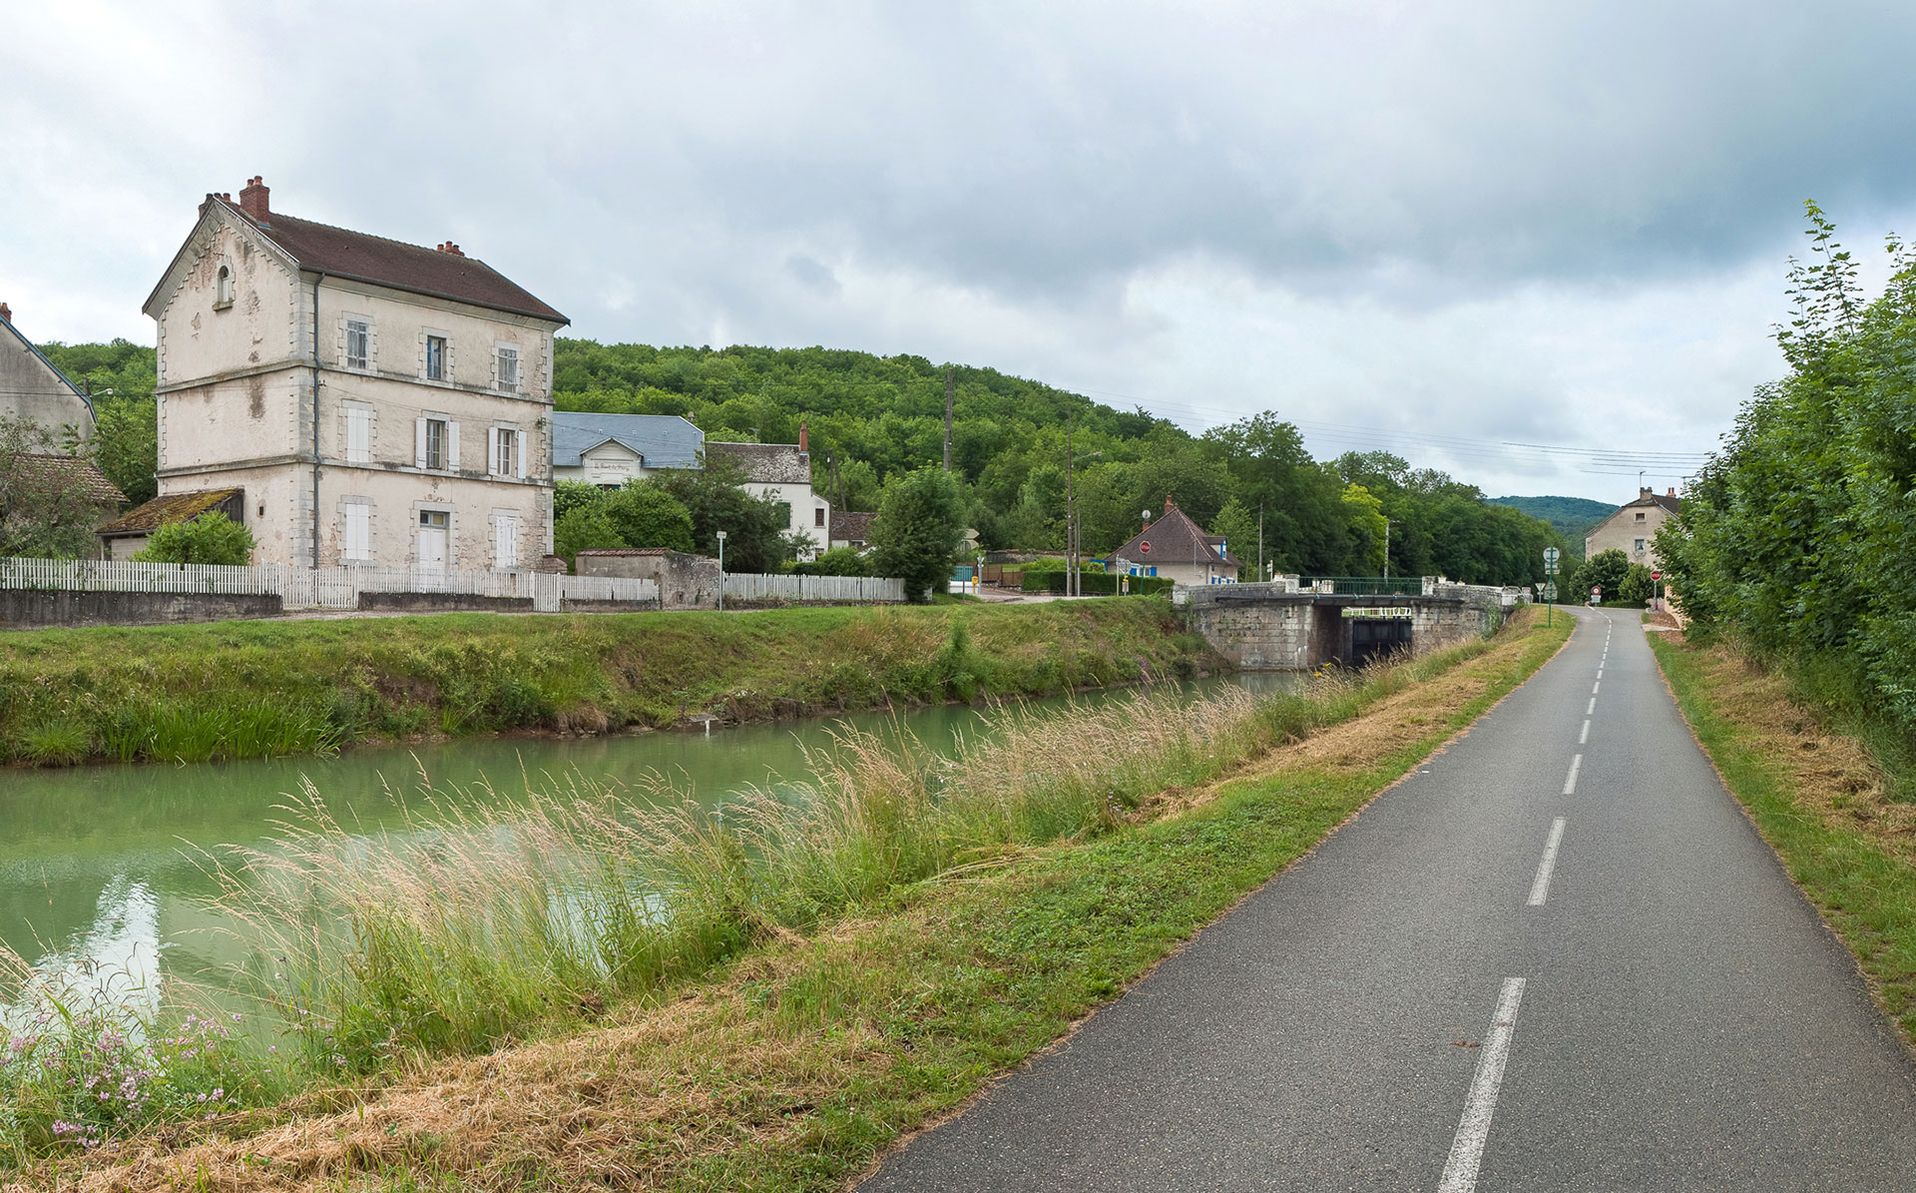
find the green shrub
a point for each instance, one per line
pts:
(211, 538)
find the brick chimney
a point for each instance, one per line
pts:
(804, 438)
(1672, 492)
(447, 246)
(253, 200)
(1644, 494)
(1169, 505)
(6, 313)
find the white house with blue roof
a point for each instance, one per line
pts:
(610, 449)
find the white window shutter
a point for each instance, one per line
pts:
(452, 446)
(492, 449)
(519, 450)
(419, 443)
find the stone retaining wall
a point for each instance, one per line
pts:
(22, 608)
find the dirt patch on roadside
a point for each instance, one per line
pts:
(1831, 773)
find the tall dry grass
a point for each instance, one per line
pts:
(484, 916)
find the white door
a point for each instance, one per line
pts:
(433, 525)
(505, 542)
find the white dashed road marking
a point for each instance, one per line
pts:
(1570, 783)
(1583, 736)
(1467, 1150)
(1540, 885)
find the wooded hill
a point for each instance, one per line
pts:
(1571, 517)
(874, 418)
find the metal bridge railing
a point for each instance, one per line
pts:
(1364, 585)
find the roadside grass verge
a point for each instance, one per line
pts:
(879, 993)
(1818, 797)
(257, 689)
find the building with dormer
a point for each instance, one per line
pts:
(371, 401)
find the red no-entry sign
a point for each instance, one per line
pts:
(1144, 547)
(1656, 575)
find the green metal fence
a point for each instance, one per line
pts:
(1367, 585)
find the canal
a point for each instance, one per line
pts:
(104, 885)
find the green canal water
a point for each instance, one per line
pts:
(103, 886)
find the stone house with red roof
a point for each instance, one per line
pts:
(1175, 547)
(372, 401)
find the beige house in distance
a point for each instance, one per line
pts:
(1633, 528)
(1177, 548)
(782, 472)
(374, 402)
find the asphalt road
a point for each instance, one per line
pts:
(1425, 1004)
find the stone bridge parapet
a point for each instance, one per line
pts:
(1279, 627)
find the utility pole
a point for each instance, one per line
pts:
(1070, 517)
(1260, 542)
(947, 418)
(1386, 548)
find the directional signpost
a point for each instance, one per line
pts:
(1549, 586)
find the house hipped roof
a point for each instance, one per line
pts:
(659, 440)
(766, 463)
(173, 507)
(70, 472)
(1174, 539)
(362, 257)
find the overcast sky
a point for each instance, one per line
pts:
(1424, 226)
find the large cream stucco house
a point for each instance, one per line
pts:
(1633, 528)
(360, 400)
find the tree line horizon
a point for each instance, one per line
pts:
(875, 419)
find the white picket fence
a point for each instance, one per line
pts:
(112, 575)
(743, 586)
(341, 587)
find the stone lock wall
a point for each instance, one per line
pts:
(1266, 628)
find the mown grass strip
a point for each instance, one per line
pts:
(225, 690)
(1815, 797)
(804, 1059)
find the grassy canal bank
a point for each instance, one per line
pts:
(1820, 797)
(256, 689)
(828, 973)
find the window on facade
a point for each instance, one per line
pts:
(818, 515)
(1639, 547)
(1639, 515)
(359, 435)
(508, 370)
(505, 452)
(505, 541)
(223, 289)
(359, 344)
(358, 543)
(435, 358)
(436, 436)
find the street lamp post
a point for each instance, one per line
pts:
(721, 543)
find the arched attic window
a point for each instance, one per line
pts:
(223, 288)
